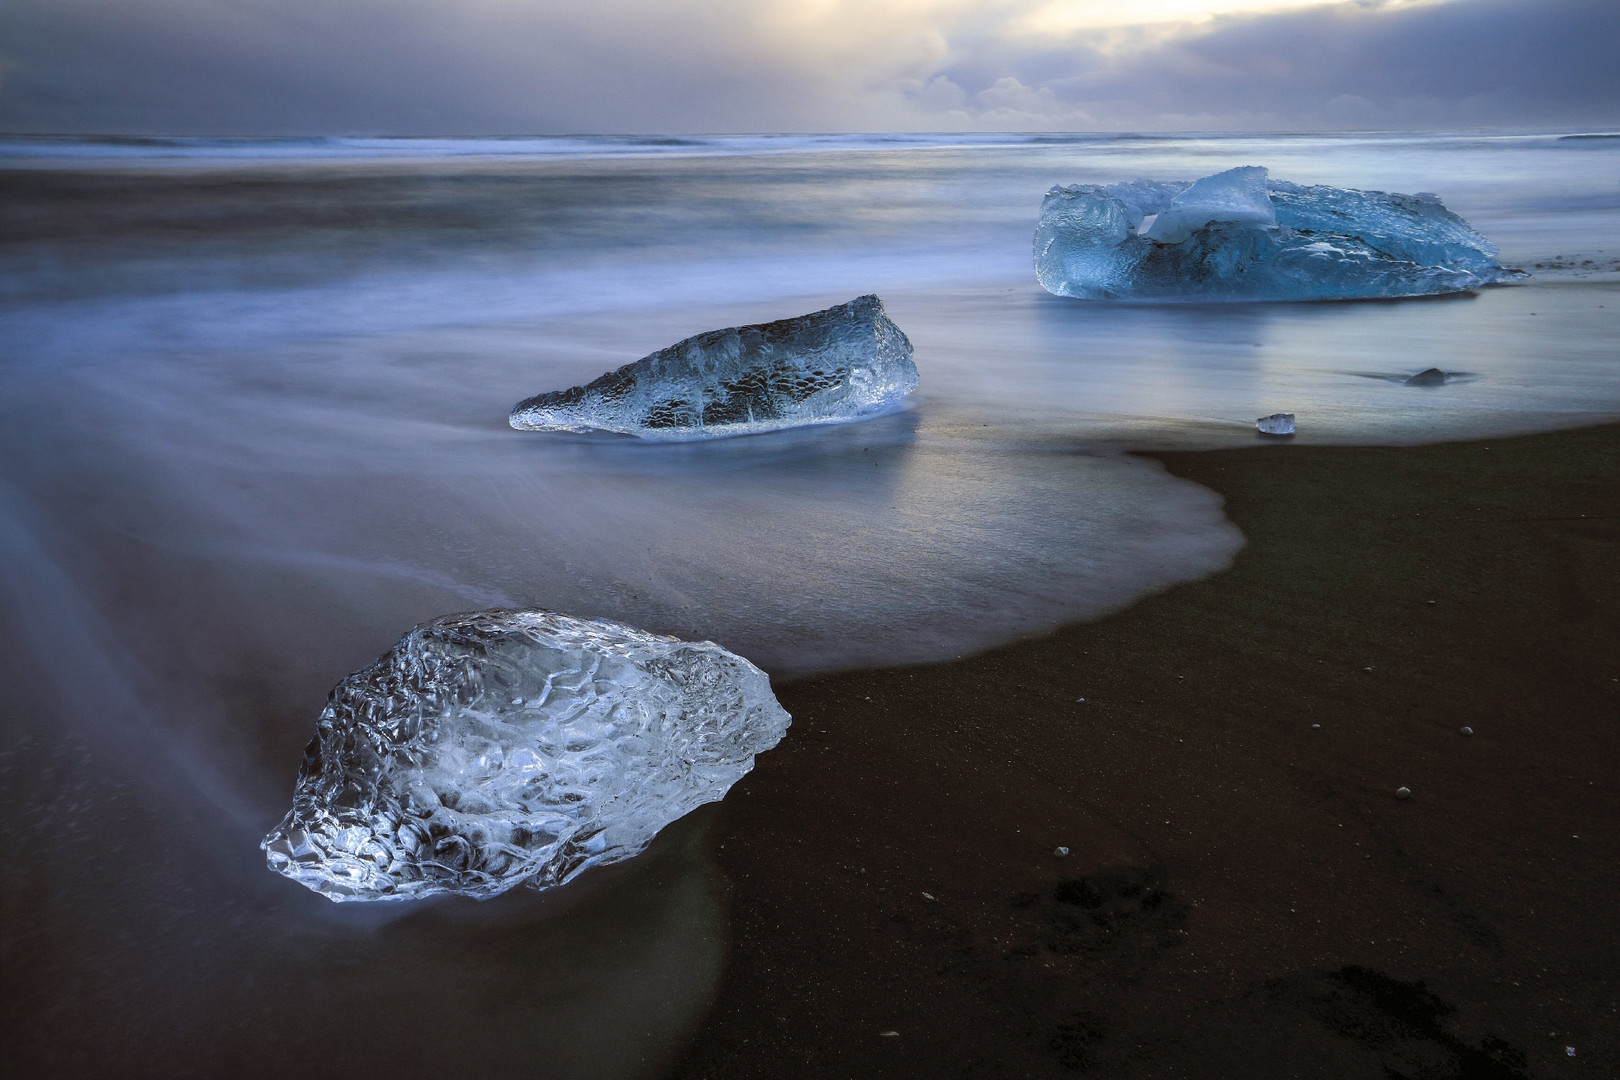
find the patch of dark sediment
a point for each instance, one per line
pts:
(1243, 893)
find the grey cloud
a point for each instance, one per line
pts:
(1469, 63)
(502, 66)
(372, 66)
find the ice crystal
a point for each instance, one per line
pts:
(497, 748)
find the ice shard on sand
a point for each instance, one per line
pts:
(498, 748)
(845, 363)
(1238, 235)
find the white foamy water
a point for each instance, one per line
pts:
(254, 427)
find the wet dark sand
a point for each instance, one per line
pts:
(1244, 894)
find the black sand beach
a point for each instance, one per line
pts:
(1244, 892)
(255, 427)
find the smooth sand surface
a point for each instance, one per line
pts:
(1244, 894)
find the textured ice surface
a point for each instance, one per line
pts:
(1278, 423)
(844, 363)
(1236, 196)
(497, 748)
(1237, 235)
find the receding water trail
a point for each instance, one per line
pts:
(62, 636)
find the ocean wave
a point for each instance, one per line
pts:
(123, 148)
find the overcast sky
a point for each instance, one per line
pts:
(545, 66)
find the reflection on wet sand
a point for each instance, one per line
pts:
(137, 796)
(197, 962)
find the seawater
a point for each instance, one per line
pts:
(254, 428)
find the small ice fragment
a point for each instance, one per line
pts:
(845, 363)
(425, 776)
(1281, 423)
(1237, 235)
(1428, 377)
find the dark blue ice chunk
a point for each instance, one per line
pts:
(845, 363)
(1239, 236)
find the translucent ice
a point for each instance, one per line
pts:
(1236, 195)
(844, 363)
(1237, 235)
(1278, 423)
(498, 748)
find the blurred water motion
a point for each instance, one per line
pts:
(254, 428)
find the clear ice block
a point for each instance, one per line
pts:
(845, 363)
(1278, 423)
(498, 748)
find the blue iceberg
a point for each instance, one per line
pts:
(845, 363)
(1239, 235)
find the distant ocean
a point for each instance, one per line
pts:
(254, 428)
